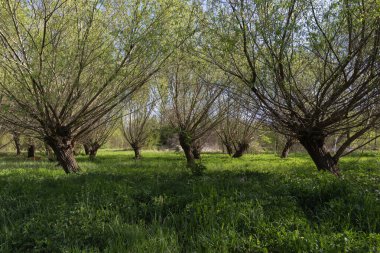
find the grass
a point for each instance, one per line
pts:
(258, 203)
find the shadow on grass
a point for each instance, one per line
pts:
(267, 188)
(56, 211)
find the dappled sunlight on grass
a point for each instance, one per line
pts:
(257, 203)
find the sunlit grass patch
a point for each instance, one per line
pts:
(259, 203)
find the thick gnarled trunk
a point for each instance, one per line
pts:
(196, 150)
(229, 148)
(31, 151)
(93, 150)
(241, 149)
(186, 146)
(288, 145)
(64, 151)
(137, 152)
(92, 154)
(16, 139)
(315, 147)
(86, 149)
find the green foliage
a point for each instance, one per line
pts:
(258, 203)
(153, 139)
(166, 132)
(116, 140)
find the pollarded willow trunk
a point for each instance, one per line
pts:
(64, 151)
(93, 150)
(86, 149)
(196, 150)
(241, 149)
(75, 152)
(31, 151)
(229, 148)
(137, 151)
(196, 153)
(185, 143)
(288, 145)
(92, 153)
(315, 147)
(16, 139)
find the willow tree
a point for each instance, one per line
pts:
(65, 64)
(15, 133)
(241, 122)
(137, 122)
(99, 135)
(289, 143)
(313, 65)
(192, 107)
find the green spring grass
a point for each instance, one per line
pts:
(259, 203)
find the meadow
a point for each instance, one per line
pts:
(259, 203)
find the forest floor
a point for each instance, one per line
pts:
(259, 203)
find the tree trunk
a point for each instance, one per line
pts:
(92, 153)
(93, 150)
(196, 153)
(186, 146)
(137, 151)
(285, 152)
(86, 149)
(73, 147)
(196, 150)
(229, 148)
(31, 151)
(63, 150)
(16, 139)
(242, 148)
(321, 157)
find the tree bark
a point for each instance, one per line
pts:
(16, 139)
(92, 153)
(63, 150)
(196, 150)
(285, 152)
(31, 151)
(186, 146)
(315, 147)
(93, 150)
(228, 147)
(137, 151)
(241, 149)
(86, 149)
